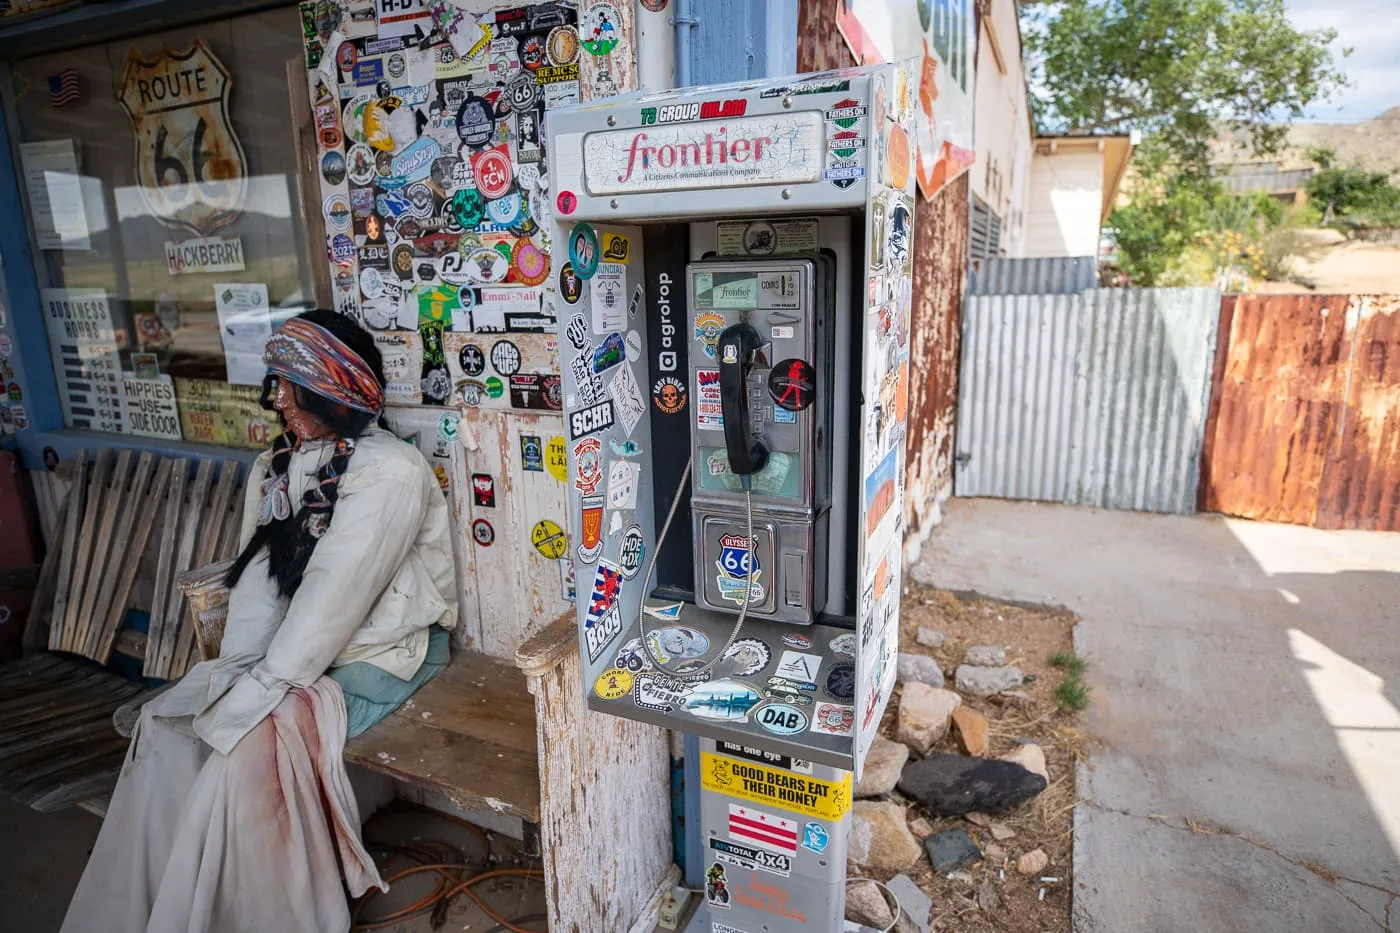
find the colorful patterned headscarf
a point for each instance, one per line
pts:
(313, 358)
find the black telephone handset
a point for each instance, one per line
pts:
(737, 346)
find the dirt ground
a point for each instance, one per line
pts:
(1342, 267)
(998, 899)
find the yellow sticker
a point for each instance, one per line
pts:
(616, 248)
(827, 800)
(613, 684)
(556, 459)
(549, 539)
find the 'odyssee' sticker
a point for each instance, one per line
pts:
(827, 800)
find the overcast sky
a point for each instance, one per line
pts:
(1371, 28)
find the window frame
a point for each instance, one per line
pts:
(67, 29)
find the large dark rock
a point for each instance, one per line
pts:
(951, 785)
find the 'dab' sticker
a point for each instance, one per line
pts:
(781, 719)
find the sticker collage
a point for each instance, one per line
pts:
(775, 817)
(786, 689)
(434, 184)
(436, 204)
(890, 280)
(602, 298)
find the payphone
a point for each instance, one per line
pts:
(761, 375)
(733, 286)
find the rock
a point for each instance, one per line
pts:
(951, 785)
(972, 731)
(866, 904)
(985, 681)
(1031, 757)
(880, 839)
(994, 852)
(1033, 862)
(882, 768)
(985, 656)
(919, 668)
(966, 878)
(977, 819)
(930, 638)
(914, 904)
(923, 715)
(921, 827)
(988, 897)
(1013, 698)
(1001, 832)
(952, 849)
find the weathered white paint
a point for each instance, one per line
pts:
(605, 806)
(1001, 175)
(1066, 201)
(511, 591)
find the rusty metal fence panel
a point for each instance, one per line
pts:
(1305, 417)
(1096, 399)
(1060, 275)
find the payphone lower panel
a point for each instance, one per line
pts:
(784, 587)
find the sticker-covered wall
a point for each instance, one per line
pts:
(436, 200)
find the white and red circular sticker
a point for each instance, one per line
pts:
(492, 171)
(483, 533)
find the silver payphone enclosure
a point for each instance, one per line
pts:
(786, 206)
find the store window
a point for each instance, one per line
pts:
(161, 174)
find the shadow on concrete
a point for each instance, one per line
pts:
(1245, 678)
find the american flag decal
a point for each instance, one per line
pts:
(64, 88)
(768, 832)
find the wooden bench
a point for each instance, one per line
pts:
(468, 735)
(592, 791)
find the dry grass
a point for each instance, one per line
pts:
(1031, 637)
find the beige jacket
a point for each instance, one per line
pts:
(379, 578)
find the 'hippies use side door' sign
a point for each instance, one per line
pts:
(190, 166)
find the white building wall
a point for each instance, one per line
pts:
(1066, 198)
(1001, 174)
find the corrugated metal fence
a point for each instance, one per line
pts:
(1062, 275)
(1097, 398)
(1305, 415)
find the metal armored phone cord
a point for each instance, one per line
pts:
(651, 569)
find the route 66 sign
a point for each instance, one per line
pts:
(190, 166)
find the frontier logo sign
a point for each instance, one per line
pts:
(772, 150)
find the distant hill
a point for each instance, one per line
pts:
(1372, 144)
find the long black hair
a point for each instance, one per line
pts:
(291, 539)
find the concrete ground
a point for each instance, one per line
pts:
(1245, 765)
(42, 856)
(41, 859)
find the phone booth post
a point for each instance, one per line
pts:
(734, 319)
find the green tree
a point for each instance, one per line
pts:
(1176, 70)
(1356, 198)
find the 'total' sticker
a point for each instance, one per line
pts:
(793, 384)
